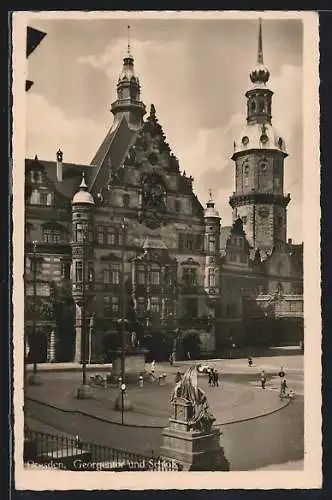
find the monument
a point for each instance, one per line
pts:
(128, 362)
(191, 437)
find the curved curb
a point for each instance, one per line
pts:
(138, 426)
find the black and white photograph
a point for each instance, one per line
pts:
(166, 244)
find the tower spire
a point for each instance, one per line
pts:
(128, 48)
(260, 44)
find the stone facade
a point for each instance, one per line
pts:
(150, 250)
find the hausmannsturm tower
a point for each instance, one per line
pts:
(259, 155)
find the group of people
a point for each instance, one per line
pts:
(213, 377)
(283, 384)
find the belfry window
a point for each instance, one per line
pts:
(253, 106)
(155, 276)
(141, 275)
(261, 106)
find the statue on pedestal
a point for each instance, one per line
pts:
(187, 389)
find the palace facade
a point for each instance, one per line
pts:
(126, 236)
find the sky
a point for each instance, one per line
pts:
(195, 72)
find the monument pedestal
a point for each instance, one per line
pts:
(134, 364)
(197, 450)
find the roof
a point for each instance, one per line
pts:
(115, 147)
(259, 136)
(72, 174)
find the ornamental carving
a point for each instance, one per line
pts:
(153, 199)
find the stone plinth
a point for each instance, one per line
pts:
(197, 450)
(134, 364)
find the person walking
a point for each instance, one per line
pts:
(216, 378)
(263, 379)
(210, 372)
(153, 367)
(283, 388)
(170, 359)
(249, 361)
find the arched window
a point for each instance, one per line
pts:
(155, 275)
(253, 106)
(211, 277)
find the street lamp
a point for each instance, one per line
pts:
(122, 401)
(84, 391)
(34, 379)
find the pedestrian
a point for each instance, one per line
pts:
(170, 359)
(188, 355)
(216, 378)
(210, 373)
(249, 361)
(283, 388)
(281, 373)
(263, 379)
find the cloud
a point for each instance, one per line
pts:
(48, 128)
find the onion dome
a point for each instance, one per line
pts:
(83, 196)
(259, 136)
(210, 210)
(260, 74)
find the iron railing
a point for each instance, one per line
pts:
(66, 452)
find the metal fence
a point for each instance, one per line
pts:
(66, 452)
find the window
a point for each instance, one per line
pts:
(32, 176)
(253, 106)
(212, 244)
(141, 275)
(39, 177)
(90, 272)
(261, 106)
(65, 269)
(79, 232)
(28, 266)
(112, 274)
(244, 219)
(100, 235)
(51, 235)
(126, 200)
(177, 205)
(115, 274)
(155, 304)
(115, 305)
(190, 243)
(169, 276)
(190, 276)
(155, 277)
(263, 165)
(35, 197)
(211, 278)
(111, 237)
(43, 198)
(277, 182)
(79, 271)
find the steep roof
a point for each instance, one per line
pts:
(111, 153)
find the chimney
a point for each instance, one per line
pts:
(59, 165)
(290, 241)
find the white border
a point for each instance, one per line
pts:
(311, 477)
